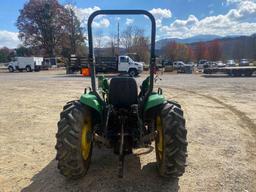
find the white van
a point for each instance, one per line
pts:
(25, 63)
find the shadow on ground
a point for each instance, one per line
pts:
(106, 75)
(102, 176)
(225, 76)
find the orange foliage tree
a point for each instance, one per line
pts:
(201, 51)
(214, 50)
(177, 51)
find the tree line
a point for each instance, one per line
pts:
(223, 49)
(133, 40)
(192, 52)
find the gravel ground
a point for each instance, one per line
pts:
(221, 123)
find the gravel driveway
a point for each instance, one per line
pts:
(221, 123)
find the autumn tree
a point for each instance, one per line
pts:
(201, 51)
(140, 47)
(169, 50)
(177, 51)
(191, 53)
(214, 50)
(254, 46)
(134, 41)
(42, 23)
(183, 52)
(74, 35)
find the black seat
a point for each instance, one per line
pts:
(123, 92)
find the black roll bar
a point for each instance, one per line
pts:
(122, 12)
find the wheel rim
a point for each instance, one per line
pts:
(85, 142)
(132, 73)
(159, 145)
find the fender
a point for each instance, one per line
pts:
(91, 100)
(154, 100)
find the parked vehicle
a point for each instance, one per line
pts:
(123, 64)
(231, 63)
(168, 65)
(244, 62)
(192, 63)
(209, 64)
(220, 64)
(53, 62)
(159, 63)
(25, 63)
(178, 64)
(201, 63)
(236, 71)
(185, 68)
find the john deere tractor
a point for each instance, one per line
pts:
(115, 115)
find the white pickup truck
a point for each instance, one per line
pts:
(25, 63)
(118, 64)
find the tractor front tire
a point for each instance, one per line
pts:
(74, 146)
(171, 141)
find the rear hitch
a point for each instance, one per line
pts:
(102, 140)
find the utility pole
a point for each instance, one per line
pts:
(118, 39)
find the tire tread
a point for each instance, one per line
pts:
(68, 146)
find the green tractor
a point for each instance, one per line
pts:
(117, 116)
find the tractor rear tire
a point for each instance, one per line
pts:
(71, 161)
(171, 141)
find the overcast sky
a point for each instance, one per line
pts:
(175, 18)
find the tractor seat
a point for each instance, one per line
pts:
(123, 92)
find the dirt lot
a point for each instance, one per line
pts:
(221, 123)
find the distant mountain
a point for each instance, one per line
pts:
(203, 38)
(232, 47)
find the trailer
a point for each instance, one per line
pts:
(236, 71)
(106, 64)
(121, 64)
(75, 64)
(25, 63)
